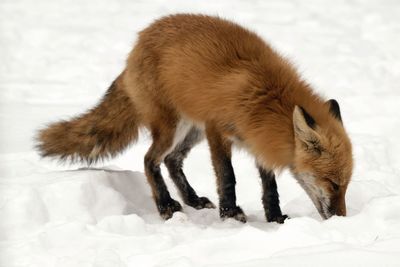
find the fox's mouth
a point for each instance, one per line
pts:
(321, 202)
(317, 195)
(322, 207)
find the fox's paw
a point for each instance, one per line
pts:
(201, 203)
(167, 208)
(279, 218)
(232, 212)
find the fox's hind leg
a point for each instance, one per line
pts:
(174, 164)
(270, 198)
(163, 136)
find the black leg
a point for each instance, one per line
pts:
(221, 157)
(174, 164)
(226, 190)
(270, 198)
(165, 204)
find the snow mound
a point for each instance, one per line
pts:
(106, 216)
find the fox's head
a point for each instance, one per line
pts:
(323, 158)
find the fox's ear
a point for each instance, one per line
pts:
(302, 120)
(304, 129)
(334, 109)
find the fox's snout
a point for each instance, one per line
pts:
(328, 203)
(329, 206)
(337, 206)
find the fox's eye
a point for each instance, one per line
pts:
(335, 186)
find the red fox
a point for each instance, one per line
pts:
(195, 76)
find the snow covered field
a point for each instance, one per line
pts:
(59, 56)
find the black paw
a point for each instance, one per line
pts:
(167, 208)
(200, 203)
(232, 212)
(279, 218)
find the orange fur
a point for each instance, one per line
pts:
(215, 74)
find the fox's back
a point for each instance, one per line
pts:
(201, 65)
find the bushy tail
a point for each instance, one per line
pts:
(100, 133)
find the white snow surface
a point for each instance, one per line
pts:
(58, 58)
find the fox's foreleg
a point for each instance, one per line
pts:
(221, 153)
(270, 197)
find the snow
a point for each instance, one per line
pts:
(58, 58)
